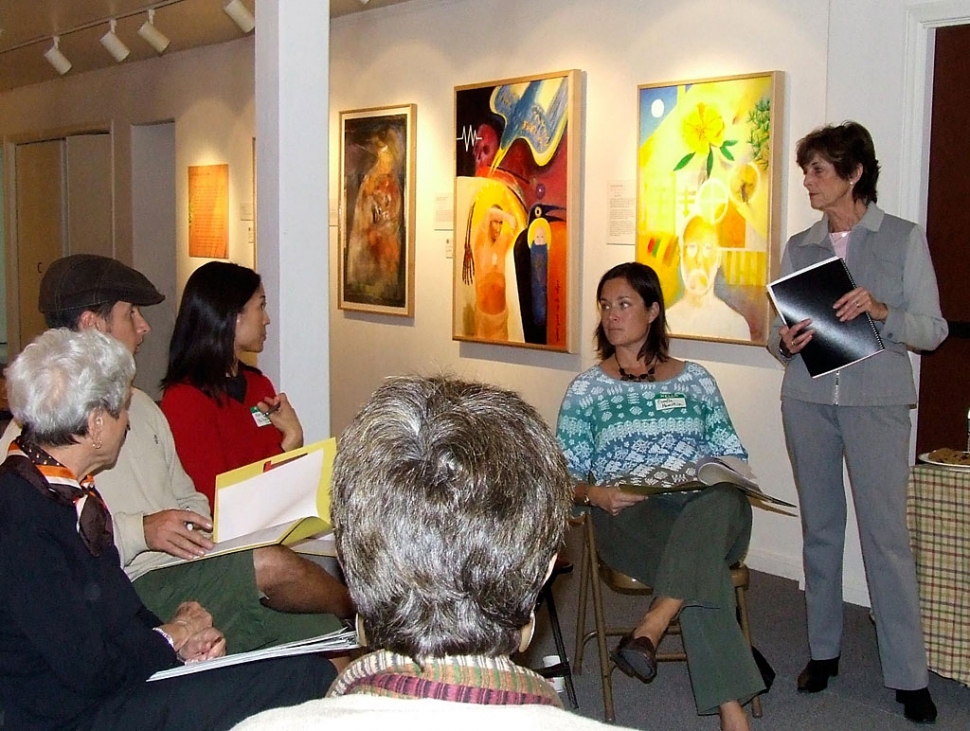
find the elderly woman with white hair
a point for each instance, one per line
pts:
(450, 500)
(76, 643)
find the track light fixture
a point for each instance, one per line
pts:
(152, 35)
(57, 59)
(113, 44)
(240, 15)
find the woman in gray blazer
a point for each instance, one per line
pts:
(860, 413)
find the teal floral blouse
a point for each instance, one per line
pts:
(651, 431)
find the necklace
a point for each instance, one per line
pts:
(649, 376)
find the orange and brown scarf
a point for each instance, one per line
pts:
(58, 483)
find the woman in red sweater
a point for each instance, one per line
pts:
(223, 413)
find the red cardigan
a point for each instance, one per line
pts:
(213, 437)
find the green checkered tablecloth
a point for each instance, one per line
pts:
(938, 514)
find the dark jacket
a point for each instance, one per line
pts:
(73, 632)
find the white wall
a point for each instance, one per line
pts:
(419, 51)
(154, 230)
(841, 58)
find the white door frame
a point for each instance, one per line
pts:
(919, 47)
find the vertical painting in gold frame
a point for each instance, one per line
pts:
(376, 219)
(517, 212)
(708, 178)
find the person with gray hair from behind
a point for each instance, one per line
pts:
(76, 642)
(450, 501)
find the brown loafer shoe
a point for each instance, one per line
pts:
(637, 657)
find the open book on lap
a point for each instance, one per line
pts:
(707, 471)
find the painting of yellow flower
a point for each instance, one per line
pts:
(707, 186)
(703, 130)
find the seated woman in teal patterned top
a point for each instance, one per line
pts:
(641, 413)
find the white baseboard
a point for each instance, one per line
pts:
(779, 564)
(776, 564)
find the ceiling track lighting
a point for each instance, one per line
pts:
(57, 59)
(113, 44)
(240, 15)
(152, 35)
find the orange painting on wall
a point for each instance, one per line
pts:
(209, 211)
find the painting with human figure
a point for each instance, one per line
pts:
(376, 231)
(707, 198)
(517, 153)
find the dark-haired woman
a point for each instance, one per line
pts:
(223, 413)
(641, 413)
(860, 413)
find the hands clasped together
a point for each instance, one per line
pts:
(194, 637)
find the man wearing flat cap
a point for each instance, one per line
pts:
(261, 597)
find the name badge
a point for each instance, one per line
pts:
(667, 402)
(259, 417)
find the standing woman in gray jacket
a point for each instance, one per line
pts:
(860, 413)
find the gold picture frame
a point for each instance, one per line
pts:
(708, 201)
(376, 212)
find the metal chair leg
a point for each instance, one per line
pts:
(565, 670)
(605, 666)
(584, 575)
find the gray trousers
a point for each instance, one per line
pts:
(875, 443)
(683, 545)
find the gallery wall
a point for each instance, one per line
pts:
(418, 52)
(841, 59)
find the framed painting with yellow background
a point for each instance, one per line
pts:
(707, 197)
(517, 158)
(376, 214)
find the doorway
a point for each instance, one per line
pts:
(62, 202)
(944, 387)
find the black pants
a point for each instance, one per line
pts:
(215, 700)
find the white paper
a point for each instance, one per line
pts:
(444, 212)
(621, 209)
(339, 640)
(272, 498)
(322, 544)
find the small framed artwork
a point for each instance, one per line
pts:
(209, 211)
(517, 160)
(376, 211)
(708, 194)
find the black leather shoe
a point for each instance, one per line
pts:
(815, 676)
(637, 657)
(918, 707)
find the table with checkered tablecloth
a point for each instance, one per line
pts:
(938, 514)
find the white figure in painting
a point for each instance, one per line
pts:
(700, 311)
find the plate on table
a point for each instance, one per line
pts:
(951, 459)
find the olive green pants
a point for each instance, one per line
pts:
(683, 545)
(226, 587)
